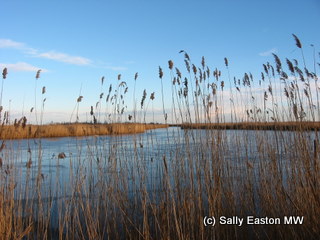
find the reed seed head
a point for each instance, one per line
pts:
(284, 75)
(298, 43)
(270, 89)
(290, 66)
(178, 72)
(170, 64)
(186, 56)
(272, 70)
(265, 69)
(187, 65)
(79, 99)
(222, 85)
(208, 72)
(144, 95)
(61, 155)
(4, 73)
(160, 72)
(38, 74)
(278, 62)
(91, 111)
(194, 69)
(203, 62)
(226, 61)
(24, 122)
(152, 96)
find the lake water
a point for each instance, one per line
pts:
(130, 163)
(112, 154)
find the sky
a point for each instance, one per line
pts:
(75, 43)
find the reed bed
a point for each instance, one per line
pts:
(162, 184)
(74, 130)
(283, 126)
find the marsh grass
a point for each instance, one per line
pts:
(161, 185)
(73, 130)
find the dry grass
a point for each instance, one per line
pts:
(74, 130)
(283, 126)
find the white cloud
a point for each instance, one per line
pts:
(7, 43)
(268, 53)
(62, 57)
(21, 67)
(52, 55)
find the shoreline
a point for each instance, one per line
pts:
(11, 132)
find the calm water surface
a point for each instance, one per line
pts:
(139, 159)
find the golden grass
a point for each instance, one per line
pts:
(305, 125)
(74, 130)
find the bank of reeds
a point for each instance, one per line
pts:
(74, 130)
(162, 186)
(283, 126)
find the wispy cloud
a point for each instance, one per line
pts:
(268, 53)
(21, 67)
(52, 55)
(7, 43)
(62, 57)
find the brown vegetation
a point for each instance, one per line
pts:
(74, 130)
(284, 126)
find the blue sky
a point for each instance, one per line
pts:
(75, 43)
